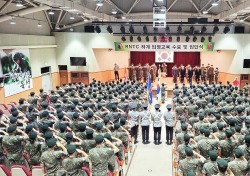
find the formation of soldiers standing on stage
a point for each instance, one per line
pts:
(140, 73)
(198, 74)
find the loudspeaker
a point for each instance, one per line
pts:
(89, 29)
(239, 29)
(246, 63)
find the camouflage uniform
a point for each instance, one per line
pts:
(210, 168)
(205, 145)
(246, 151)
(227, 146)
(73, 166)
(238, 167)
(35, 152)
(187, 164)
(88, 144)
(99, 158)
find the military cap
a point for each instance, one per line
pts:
(122, 120)
(213, 155)
(113, 107)
(76, 115)
(184, 126)
(51, 142)
(1, 112)
(72, 106)
(107, 136)
(169, 106)
(15, 113)
(157, 106)
(85, 106)
(45, 114)
(189, 151)
(44, 127)
(123, 98)
(13, 119)
(247, 139)
(238, 152)
(32, 135)
(145, 105)
(89, 131)
(106, 119)
(44, 104)
(99, 139)
(69, 136)
(229, 133)
(99, 126)
(90, 114)
(82, 126)
(13, 109)
(29, 127)
(247, 121)
(48, 135)
(237, 128)
(31, 107)
(62, 126)
(71, 149)
(222, 164)
(117, 125)
(186, 137)
(133, 105)
(11, 128)
(206, 132)
(60, 115)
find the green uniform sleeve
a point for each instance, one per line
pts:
(59, 154)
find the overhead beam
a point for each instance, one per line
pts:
(31, 3)
(48, 20)
(230, 4)
(23, 12)
(72, 25)
(134, 4)
(64, 15)
(171, 5)
(195, 6)
(115, 6)
(5, 5)
(59, 17)
(204, 7)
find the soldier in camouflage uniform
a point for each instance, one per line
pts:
(88, 143)
(239, 165)
(100, 155)
(73, 164)
(13, 146)
(210, 167)
(51, 158)
(246, 147)
(163, 93)
(216, 74)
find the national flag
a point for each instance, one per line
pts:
(149, 91)
(125, 75)
(158, 90)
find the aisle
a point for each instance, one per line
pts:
(152, 160)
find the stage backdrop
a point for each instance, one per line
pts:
(185, 58)
(16, 70)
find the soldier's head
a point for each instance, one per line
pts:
(189, 151)
(213, 155)
(89, 133)
(71, 149)
(69, 137)
(12, 129)
(229, 133)
(238, 153)
(108, 136)
(99, 126)
(169, 107)
(186, 139)
(201, 116)
(222, 165)
(99, 139)
(247, 140)
(51, 143)
(220, 126)
(206, 132)
(82, 127)
(32, 137)
(184, 127)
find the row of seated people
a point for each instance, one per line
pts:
(213, 136)
(74, 127)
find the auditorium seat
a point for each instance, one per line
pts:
(86, 170)
(19, 170)
(4, 171)
(3, 107)
(37, 171)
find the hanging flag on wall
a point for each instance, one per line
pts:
(164, 56)
(16, 69)
(158, 90)
(149, 91)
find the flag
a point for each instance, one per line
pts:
(125, 75)
(149, 90)
(158, 90)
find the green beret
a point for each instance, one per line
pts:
(107, 136)
(220, 126)
(69, 136)
(206, 132)
(13, 119)
(106, 119)
(76, 115)
(11, 129)
(71, 149)
(99, 126)
(32, 135)
(99, 139)
(48, 135)
(90, 114)
(51, 142)
(122, 98)
(29, 127)
(45, 114)
(247, 139)
(82, 126)
(15, 113)
(117, 125)
(122, 120)
(89, 131)
(222, 164)
(113, 107)
(213, 155)
(229, 133)
(238, 152)
(184, 126)
(189, 151)
(186, 137)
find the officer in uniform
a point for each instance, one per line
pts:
(239, 165)
(138, 72)
(170, 121)
(163, 93)
(210, 74)
(134, 120)
(190, 74)
(216, 74)
(130, 72)
(197, 74)
(154, 71)
(175, 73)
(156, 117)
(204, 75)
(145, 123)
(223, 168)
(145, 72)
(164, 69)
(182, 74)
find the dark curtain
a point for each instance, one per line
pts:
(185, 58)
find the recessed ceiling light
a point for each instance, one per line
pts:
(130, 19)
(215, 3)
(39, 24)
(114, 11)
(57, 27)
(51, 12)
(241, 20)
(99, 3)
(205, 12)
(123, 17)
(85, 19)
(71, 17)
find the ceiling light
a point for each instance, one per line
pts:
(226, 30)
(51, 12)
(203, 39)
(155, 39)
(57, 27)
(162, 9)
(123, 17)
(160, 0)
(130, 19)
(71, 29)
(147, 39)
(71, 17)
(99, 3)
(131, 38)
(123, 38)
(170, 39)
(194, 39)
(167, 30)
(179, 29)
(203, 29)
(114, 11)
(109, 29)
(187, 39)
(131, 30)
(241, 20)
(12, 21)
(210, 38)
(19, 3)
(205, 12)
(86, 19)
(39, 24)
(216, 29)
(145, 29)
(139, 38)
(122, 28)
(215, 3)
(178, 39)
(98, 29)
